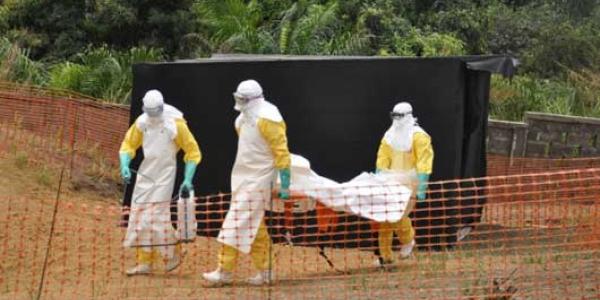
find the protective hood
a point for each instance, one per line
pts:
(247, 92)
(167, 119)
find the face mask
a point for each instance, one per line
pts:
(395, 116)
(154, 112)
(241, 102)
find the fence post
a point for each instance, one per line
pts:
(73, 135)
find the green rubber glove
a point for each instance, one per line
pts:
(188, 176)
(422, 187)
(284, 191)
(125, 160)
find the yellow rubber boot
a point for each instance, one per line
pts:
(386, 238)
(260, 257)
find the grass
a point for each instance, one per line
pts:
(43, 177)
(21, 160)
(578, 95)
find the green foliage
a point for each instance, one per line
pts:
(101, 73)
(55, 26)
(311, 30)
(587, 87)
(44, 176)
(90, 46)
(235, 25)
(60, 29)
(563, 47)
(434, 44)
(510, 99)
(21, 160)
(16, 66)
(514, 31)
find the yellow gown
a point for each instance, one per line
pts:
(418, 158)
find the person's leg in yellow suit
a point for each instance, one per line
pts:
(405, 233)
(147, 257)
(259, 253)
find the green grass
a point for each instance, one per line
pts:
(578, 94)
(21, 160)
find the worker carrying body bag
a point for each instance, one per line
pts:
(186, 216)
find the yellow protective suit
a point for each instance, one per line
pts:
(150, 221)
(418, 158)
(235, 238)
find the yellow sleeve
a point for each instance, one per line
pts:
(186, 141)
(132, 141)
(423, 152)
(274, 134)
(384, 156)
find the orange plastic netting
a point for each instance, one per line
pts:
(535, 228)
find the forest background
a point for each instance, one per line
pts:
(89, 46)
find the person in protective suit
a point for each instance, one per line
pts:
(161, 131)
(405, 147)
(262, 155)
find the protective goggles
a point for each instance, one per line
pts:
(242, 100)
(397, 115)
(154, 111)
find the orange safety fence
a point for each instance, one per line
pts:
(535, 227)
(52, 129)
(538, 237)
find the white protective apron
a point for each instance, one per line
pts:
(150, 217)
(252, 179)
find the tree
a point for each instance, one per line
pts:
(52, 29)
(234, 26)
(59, 29)
(166, 24)
(101, 73)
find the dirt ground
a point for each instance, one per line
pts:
(537, 257)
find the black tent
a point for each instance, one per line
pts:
(336, 110)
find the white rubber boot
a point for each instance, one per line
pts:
(141, 269)
(407, 249)
(261, 278)
(218, 277)
(463, 232)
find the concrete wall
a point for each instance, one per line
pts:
(545, 135)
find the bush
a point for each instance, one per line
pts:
(468, 24)
(563, 47)
(16, 66)
(433, 44)
(101, 72)
(510, 99)
(587, 97)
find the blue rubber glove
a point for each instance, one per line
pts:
(284, 191)
(125, 160)
(422, 187)
(188, 176)
(377, 171)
